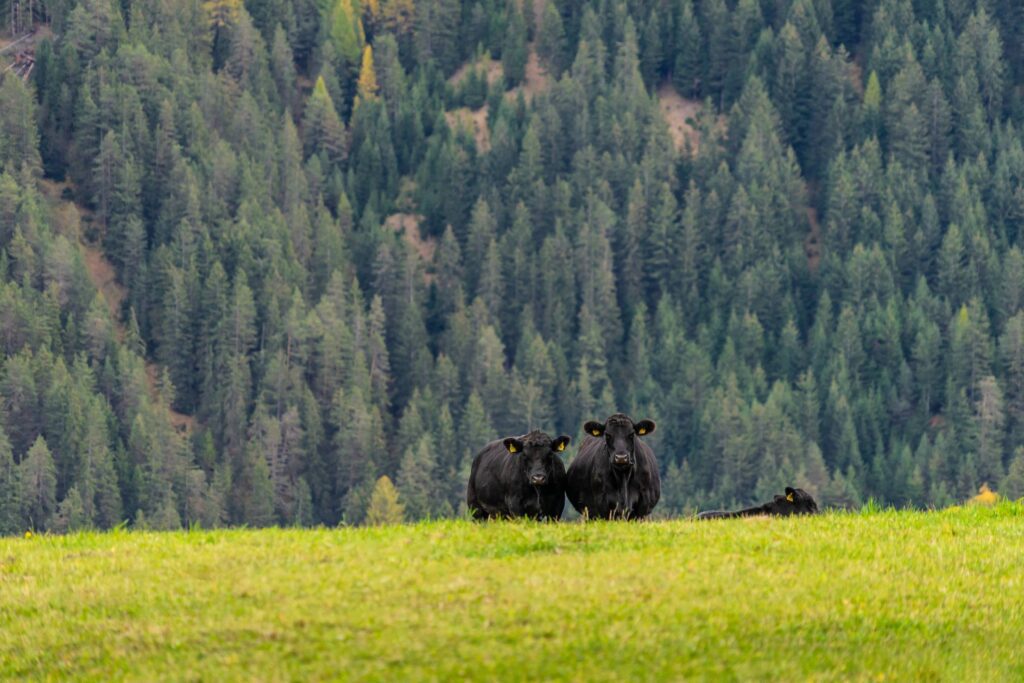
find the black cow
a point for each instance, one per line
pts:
(614, 475)
(519, 477)
(795, 502)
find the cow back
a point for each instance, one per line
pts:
(485, 490)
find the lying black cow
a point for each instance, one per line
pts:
(519, 477)
(795, 502)
(614, 474)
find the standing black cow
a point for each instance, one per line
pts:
(519, 477)
(614, 474)
(795, 502)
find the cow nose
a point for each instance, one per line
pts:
(620, 458)
(538, 479)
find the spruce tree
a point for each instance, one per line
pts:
(38, 481)
(384, 508)
(514, 50)
(552, 46)
(10, 490)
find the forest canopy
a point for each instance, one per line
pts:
(355, 240)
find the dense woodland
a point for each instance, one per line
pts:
(823, 287)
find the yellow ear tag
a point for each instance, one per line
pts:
(596, 432)
(561, 446)
(789, 497)
(511, 448)
(642, 431)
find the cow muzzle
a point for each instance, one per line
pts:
(621, 459)
(538, 479)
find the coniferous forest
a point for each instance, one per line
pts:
(255, 256)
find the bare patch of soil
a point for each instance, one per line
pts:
(538, 14)
(857, 78)
(537, 80)
(680, 114)
(102, 274)
(409, 225)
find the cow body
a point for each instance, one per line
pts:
(614, 475)
(518, 477)
(795, 502)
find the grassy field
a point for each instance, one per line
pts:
(868, 596)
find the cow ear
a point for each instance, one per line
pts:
(513, 445)
(790, 492)
(644, 427)
(594, 428)
(560, 443)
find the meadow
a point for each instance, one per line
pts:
(874, 595)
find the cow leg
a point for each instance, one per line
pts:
(626, 507)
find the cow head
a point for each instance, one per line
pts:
(620, 434)
(536, 453)
(795, 502)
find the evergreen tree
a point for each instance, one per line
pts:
(367, 86)
(1012, 485)
(384, 505)
(38, 480)
(10, 490)
(552, 46)
(514, 50)
(417, 479)
(323, 130)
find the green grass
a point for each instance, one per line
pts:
(874, 596)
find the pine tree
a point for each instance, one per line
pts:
(417, 479)
(10, 490)
(367, 87)
(20, 147)
(254, 490)
(436, 34)
(990, 419)
(686, 71)
(551, 41)
(514, 50)
(71, 514)
(384, 508)
(282, 67)
(323, 131)
(1012, 485)
(38, 480)
(346, 32)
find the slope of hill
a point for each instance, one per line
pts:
(825, 291)
(871, 596)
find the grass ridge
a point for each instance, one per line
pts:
(875, 595)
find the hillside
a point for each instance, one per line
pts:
(870, 596)
(326, 242)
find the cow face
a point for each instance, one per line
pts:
(536, 453)
(795, 502)
(620, 435)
